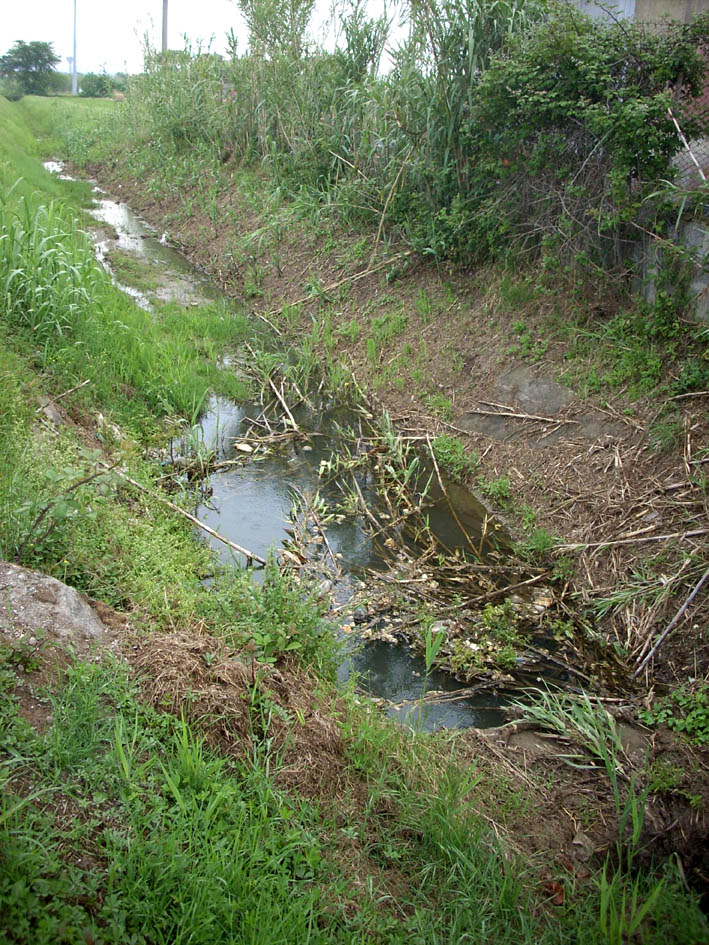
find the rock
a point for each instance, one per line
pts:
(33, 602)
(583, 848)
(360, 615)
(52, 413)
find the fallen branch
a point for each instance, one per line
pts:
(269, 323)
(336, 285)
(250, 556)
(284, 405)
(506, 411)
(309, 506)
(447, 497)
(670, 626)
(686, 145)
(696, 393)
(53, 400)
(583, 546)
(491, 595)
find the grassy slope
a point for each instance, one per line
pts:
(143, 833)
(432, 344)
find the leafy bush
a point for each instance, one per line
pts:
(95, 85)
(684, 710)
(502, 124)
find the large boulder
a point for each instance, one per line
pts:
(33, 604)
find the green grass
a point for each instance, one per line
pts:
(453, 458)
(80, 122)
(143, 833)
(132, 271)
(121, 824)
(61, 305)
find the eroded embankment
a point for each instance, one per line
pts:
(552, 419)
(607, 487)
(418, 563)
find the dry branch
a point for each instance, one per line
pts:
(673, 623)
(583, 546)
(250, 556)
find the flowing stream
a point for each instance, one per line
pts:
(251, 504)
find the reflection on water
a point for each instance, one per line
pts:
(181, 282)
(396, 674)
(251, 503)
(254, 501)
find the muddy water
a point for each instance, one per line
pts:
(251, 504)
(177, 280)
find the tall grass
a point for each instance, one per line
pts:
(463, 148)
(80, 326)
(48, 274)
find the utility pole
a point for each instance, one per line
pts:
(74, 76)
(164, 25)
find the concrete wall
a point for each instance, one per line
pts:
(607, 12)
(654, 11)
(648, 258)
(642, 11)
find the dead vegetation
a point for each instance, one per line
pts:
(240, 704)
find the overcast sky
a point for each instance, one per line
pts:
(109, 33)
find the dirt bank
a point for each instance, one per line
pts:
(611, 488)
(542, 805)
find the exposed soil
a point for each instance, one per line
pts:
(587, 467)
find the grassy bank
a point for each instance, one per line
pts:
(202, 787)
(445, 350)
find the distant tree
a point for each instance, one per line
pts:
(96, 85)
(120, 82)
(30, 64)
(59, 83)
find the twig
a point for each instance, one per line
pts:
(320, 528)
(336, 285)
(269, 323)
(686, 145)
(696, 393)
(53, 400)
(673, 623)
(450, 504)
(582, 546)
(386, 205)
(284, 405)
(499, 592)
(250, 556)
(506, 411)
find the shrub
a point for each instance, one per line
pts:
(95, 85)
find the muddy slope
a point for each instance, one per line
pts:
(441, 352)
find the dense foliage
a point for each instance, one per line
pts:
(29, 65)
(96, 85)
(502, 123)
